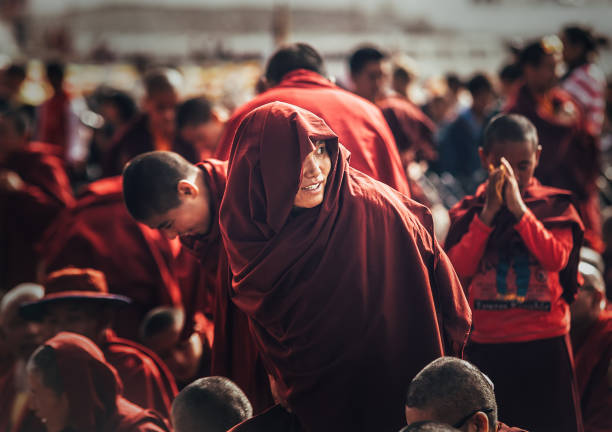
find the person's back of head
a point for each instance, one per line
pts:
(55, 74)
(212, 404)
(454, 392)
(292, 57)
(428, 426)
(481, 89)
(150, 183)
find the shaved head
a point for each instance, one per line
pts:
(428, 426)
(212, 404)
(448, 389)
(150, 183)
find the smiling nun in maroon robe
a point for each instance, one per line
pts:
(348, 293)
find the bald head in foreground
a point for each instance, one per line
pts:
(212, 404)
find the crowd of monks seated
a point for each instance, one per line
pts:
(165, 275)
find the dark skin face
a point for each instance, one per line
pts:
(542, 77)
(370, 81)
(77, 317)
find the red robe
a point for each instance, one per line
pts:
(53, 121)
(88, 381)
(138, 262)
(233, 351)
(347, 300)
(147, 381)
(359, 124)
(593, 356)
(27, 213)
(570, 155)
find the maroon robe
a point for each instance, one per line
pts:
(359, 124)
(347, 300)
(147, 381)
(233, 351)
(25, 214)
(88, 381)
(593, 356)
(138, 262)
(570, 157)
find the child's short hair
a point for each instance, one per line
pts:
(509, 128)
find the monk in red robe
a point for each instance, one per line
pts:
(570, 155)
(20, 338)
(77, 300)
(74, 388)
(295, 74)
(591, 334)
(340, 276)
(155, 129)
(412, 129)
(34, 188)
(138, 262)
(167, 192)
(54, 113)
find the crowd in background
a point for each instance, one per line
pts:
(119, 318)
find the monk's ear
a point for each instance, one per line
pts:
(538, 153)
(187, 189)
(479, 423)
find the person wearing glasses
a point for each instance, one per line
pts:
(453, 391)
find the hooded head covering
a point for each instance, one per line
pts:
(347, 300)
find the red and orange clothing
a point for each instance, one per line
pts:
(520, 277)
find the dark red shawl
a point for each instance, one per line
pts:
(25, 214)
(233, 352)
(553, 207)
(358, 123)
(88, 381)
(347, 300)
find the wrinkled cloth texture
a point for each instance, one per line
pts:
(89, 382)
(234, 354)
(347, 300)
(358, 123)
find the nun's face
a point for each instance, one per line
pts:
(315, 170)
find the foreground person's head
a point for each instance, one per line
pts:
(165, 191)
(455, 392)
(211, 404)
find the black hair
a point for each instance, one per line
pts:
(532, 54)
(150, 183)
(479, 83)
(450, 388)
(363, 56)
(213, 404)
(453, 81)
(510, 72)
(584, 36)
(55, 71)
(509, 128)
(157, 81)
(44, 360)
(17, 71)
(193, 112)
(123, 102)
(291, 57)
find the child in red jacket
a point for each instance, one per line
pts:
(515, 246)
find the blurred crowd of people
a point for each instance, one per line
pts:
(116, 316)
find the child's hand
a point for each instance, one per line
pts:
(493, 197)
(512, 193)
